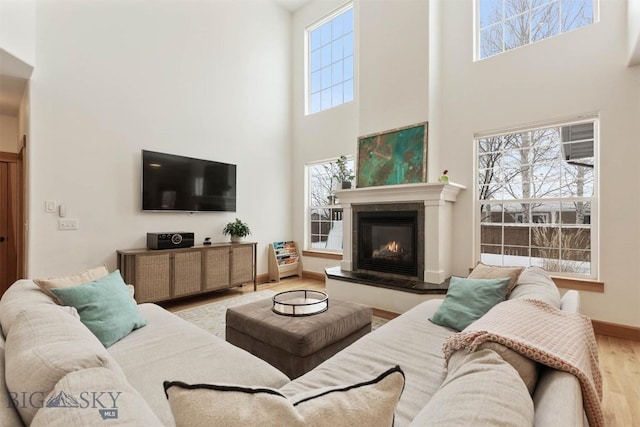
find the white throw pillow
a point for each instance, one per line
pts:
(371, 403)
(71, 280)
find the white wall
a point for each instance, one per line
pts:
(394, 64)
(18, 28)
(579, 72)
(392, 76)
(8, 134)
(204, 79)
(320, 136)
(633, 31)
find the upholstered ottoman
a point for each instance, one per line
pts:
(295, 345)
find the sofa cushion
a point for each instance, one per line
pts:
(408, 340)
(369, 403)
(148, 357)
(480, 389)
(483, 271)
(105, 307)
(94, 397)
(8, 415)
(558, 399)
(43, 345)
(469, 299)
(23, 293)
(535, 283)
(70, 280)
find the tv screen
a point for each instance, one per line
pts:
(177, 183)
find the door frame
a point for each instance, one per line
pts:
(18, 159)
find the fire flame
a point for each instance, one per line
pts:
(393, 246)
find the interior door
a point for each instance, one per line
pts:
(9, 222)
(5, 209)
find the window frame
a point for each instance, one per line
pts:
(477, 12)
(593, 215)
(334, 208)
(307, 57)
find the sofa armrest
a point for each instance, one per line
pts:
(558, 400)
(570, 301)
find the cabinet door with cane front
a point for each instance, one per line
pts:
(216, 268)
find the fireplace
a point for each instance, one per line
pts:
(430, 205)
(388, 242)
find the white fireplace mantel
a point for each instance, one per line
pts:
(437, 198)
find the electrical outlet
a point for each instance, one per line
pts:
(67, 224)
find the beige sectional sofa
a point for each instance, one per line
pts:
(48, 355)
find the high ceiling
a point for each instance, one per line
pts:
(292, 5)
(14, 74)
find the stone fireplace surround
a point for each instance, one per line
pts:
(434, 202)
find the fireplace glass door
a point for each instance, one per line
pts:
(387, 242)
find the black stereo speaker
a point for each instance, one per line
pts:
(169, 240)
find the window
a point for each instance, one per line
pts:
(330, 61)
(507, 24)
(536, 196)
(324, 214)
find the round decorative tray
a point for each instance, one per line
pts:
(300, 303)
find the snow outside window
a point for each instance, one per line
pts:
(324, 213)
(536, 198)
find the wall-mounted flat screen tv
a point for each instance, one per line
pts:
(178, 183)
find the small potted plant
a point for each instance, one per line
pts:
(237, 230)
(344, 174)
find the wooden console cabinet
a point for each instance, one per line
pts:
(166, 274)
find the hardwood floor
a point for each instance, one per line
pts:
(286, 284)
(620, 367)
(619, 359)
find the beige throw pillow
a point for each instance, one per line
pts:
(371, 403)
(71, 280)
(483, 271)
(526, 368)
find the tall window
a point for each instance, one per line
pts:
(330, 61)
(507, 24)
(537, 197)
(324, 213)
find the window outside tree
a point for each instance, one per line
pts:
(537, 198)
(507, 24)
(324, 211)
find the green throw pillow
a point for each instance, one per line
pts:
(467, 300)
(105, 307)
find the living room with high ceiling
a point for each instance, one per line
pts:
(93, 84)
(423, 69)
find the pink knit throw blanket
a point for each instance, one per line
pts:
(552, 337)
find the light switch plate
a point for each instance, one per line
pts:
(50, 206)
